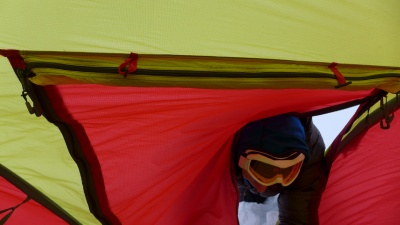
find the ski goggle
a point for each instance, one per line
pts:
(267, 169)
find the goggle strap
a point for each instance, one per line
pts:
(244, 163)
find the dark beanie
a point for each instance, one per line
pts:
(274, 135)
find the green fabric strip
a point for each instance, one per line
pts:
(204, 72)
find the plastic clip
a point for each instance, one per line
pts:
(31, 109)
(340, 78)
(388, 118)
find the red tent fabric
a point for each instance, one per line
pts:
(368, 164)
(146, 147)
(24, 208)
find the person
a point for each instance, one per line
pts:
(282, 155)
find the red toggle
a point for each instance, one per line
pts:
(14, 57)
(129, 66)
(340, 78)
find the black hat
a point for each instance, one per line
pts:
(277, 135)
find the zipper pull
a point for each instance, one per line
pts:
(23, 73)
(27, 91)
(28, 105)
(31, 109)
(129, 66)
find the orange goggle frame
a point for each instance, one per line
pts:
(268, 170)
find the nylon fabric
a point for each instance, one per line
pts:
(152, 134)
(302, 31)
(54, 68)
(36, 151)
(34, 212)
(363, 185)
(178, 125)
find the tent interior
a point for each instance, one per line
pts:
(129, 117)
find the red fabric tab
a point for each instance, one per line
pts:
(337, 73)
(14, 57)
(129, 66)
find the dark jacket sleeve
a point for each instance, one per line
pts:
(298, 203)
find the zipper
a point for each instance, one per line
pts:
(209, 74)
(182, 73)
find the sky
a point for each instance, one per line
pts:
(330, 125)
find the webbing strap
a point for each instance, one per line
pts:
(11, 209)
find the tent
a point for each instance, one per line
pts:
(128, 108)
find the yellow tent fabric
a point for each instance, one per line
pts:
(34, 148)
(362, 33)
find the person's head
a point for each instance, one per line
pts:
(271, 151)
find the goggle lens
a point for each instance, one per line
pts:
(268, 170)
(267, 173)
